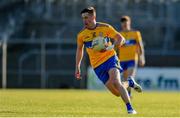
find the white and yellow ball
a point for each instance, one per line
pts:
(99, 43)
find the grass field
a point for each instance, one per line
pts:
(85, 103)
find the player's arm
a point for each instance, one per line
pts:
(118, 39)
(141, 53)
(79, 56)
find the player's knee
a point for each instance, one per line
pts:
(111, 81)
(117, 94)
(114, 81)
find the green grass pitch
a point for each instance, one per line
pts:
(36, 103)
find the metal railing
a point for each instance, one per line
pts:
(44, 74)
(43, 52)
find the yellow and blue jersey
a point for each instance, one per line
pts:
(129, 51)
(86, 36)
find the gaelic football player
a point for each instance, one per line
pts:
(132, 52)
(105, 62)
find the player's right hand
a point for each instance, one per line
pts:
(78, 74)
(141, 61)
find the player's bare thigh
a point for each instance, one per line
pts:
(114, 81)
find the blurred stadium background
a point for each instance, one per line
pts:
(38, 40)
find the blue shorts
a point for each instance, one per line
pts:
(103, 69)
(126, 64)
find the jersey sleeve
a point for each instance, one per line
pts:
(139, 37)
(79, 40)
(112, 32)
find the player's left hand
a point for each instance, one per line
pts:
(142, 62)
(107, 48)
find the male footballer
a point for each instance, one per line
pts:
(132, 52)
(105, 62)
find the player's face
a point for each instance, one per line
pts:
(88, 20)
(125, 25)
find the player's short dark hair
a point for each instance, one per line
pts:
(89, 10)
(125, 19)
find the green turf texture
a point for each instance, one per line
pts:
(85, 103)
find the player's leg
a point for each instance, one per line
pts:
(129, 75)
(112, 88)
(124, 74)
(116, 87)
(129, 72)
(124, 78)
(129, 69)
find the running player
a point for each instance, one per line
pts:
(132, 51)
(105, 63)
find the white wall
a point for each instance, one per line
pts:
(159, 78)
(149, 78)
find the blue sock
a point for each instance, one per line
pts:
(129, 107)
(131, 83)
(129, 93)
